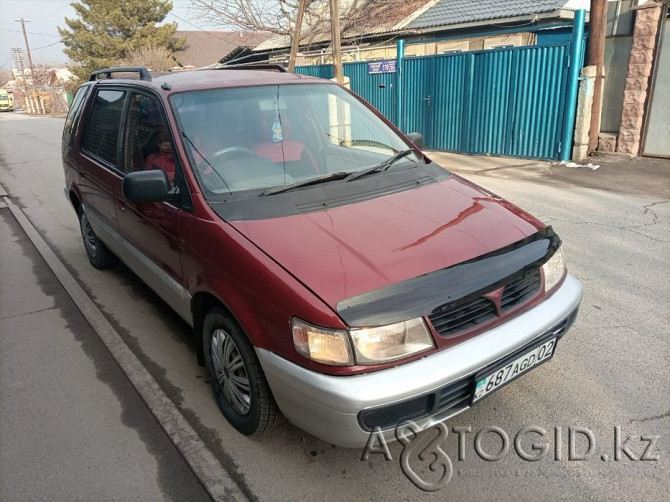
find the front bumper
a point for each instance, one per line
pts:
(328, 406)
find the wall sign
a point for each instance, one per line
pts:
(387, 66)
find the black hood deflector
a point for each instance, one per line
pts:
(421, 296)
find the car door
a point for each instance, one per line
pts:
(69, 152)
(151, 229)
(100, 174)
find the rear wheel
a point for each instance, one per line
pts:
(98, 254)
(238, 382)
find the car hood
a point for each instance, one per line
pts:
(349, 250)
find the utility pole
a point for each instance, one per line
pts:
(18, 59)
(295, 42)
(22, 86)
(335, 41)
(596, 57)
(25, 37)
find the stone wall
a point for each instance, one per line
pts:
(580, 146)
(637, 81)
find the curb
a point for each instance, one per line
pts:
(207, 468)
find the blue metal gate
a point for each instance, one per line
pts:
(376, 89)
(508, 101)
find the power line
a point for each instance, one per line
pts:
(32, 33)
(197, 27)
(45, 46)
(6, 62)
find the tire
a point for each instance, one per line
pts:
(238, 382)
(98, 254)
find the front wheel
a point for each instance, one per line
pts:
(98, 254)
(238, 382)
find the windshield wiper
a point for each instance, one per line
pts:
(313, 181)
(382, 166)
(206, 161)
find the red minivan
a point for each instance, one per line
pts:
(332, 273)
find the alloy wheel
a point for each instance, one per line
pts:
(89, 236)
(230, 371)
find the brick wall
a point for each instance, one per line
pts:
(637, 80)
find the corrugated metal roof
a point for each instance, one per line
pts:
(361, 18)
(209, 47)
(449, 12)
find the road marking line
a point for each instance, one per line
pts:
(218, 483)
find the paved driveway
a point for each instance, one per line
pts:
(611, 370)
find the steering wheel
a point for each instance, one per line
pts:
(211, 177)
(231, 153)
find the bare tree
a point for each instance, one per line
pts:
(44, 91)
(357, 17)
(278, 16)
(274, 16)
(41, 77)
(154, 57)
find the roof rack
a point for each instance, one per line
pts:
(254, 66)
(141, 70)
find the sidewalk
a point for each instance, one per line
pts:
(72, 427)
(640, 175)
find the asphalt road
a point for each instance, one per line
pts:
(611, 370)
(72, 427)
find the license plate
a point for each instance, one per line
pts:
(512, 370)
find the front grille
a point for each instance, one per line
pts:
(463, 317)
(454, 394)
(450, 397)
(520, 291)
(460, 317)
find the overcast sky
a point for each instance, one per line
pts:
(46, 15)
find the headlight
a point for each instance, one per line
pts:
(327, 346)
(388, 343)
(371, 345)
(553, 270)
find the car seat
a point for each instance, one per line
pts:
(277, 145)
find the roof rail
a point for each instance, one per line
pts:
(254, 66)
(141, 70)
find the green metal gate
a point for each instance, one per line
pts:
(507, 102)
(377, 89)
(515, 102)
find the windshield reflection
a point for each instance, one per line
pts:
(257, 138)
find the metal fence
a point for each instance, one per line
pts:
(507, 101)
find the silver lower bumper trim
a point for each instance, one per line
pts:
(327, 406)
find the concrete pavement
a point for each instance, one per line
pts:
(611, 369)
(640, 175)
(72, 427)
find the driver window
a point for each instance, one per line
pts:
(148, 144)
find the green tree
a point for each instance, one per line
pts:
(107, 31)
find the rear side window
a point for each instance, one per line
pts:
(102, 130)
(73, 115)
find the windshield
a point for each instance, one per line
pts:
(256, 138)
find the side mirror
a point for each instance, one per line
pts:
(417, 139)
(149, 186)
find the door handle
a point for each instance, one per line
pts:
(427, 98)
